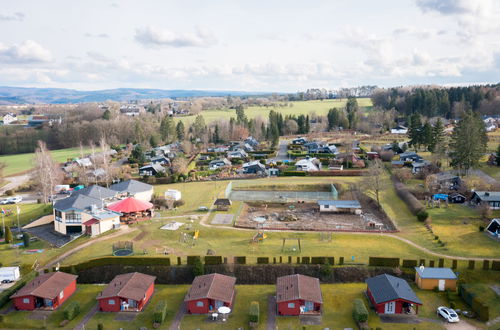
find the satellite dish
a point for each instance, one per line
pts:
(422, 268)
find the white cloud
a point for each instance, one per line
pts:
(28, 51)
(13, 17)
(154, 36)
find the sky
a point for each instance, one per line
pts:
(258, 45)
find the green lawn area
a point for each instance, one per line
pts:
(297, 108)
(173, 294)
(29, 213)
(24, 162)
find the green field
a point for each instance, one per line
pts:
(297, 108)
(20, 163)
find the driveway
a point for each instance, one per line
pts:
(14, 182)
(87, 317)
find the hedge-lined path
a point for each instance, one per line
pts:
(87, 317)
(124, 229)
(176, 322)
(204, 223)
(271, 313)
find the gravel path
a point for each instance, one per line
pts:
(87, 317)
(271, 313)
(176, 323)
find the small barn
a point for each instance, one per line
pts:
(339, 206)
(298, 294)
(494, 228)
(47, 291)
(429, 278)
(209, 292)
(391, 295)
(222, 204)
(457, 198)
(127, 292)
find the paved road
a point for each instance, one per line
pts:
(483, 176)
(14, 182)
(87, 317)
(282, 151)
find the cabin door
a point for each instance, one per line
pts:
(309, 306)
(390, 307)
(441, 285)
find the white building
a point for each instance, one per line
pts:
(9, 118)
(308, 165)
(399, 130)
(9, 273)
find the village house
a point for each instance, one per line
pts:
(161, 160)
(209, 292)
(399, 130)
(391, 295)
(254, 167)
(490, 198)
(9, 118)
(308, 165)
(446, 180)
(47, 291)
(410, 156)
(252, 141)
(429, 278)
(298, 294)
(457, 198)
(127, 292)
(237, 154)
(339, 206)
(151, 170)
(132, 110)
(219, 163)
(493, 228)
(419, 167)
(299, 141)
(133, 188)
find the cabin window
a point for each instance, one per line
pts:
(199, 304)
(26, 300)
(61, 295)
(291, 305)
(327, 206)
(73, 217)
(111, 302)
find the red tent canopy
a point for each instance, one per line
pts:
(130, 205)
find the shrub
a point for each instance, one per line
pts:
(26, 240)
(191, 260)
(9, 238)
(263, 260)
(198, 268)
(294, 173)
(213, 260)
(486, 264)
(72, 310)
(254, 312)
(481, 228)
(409, 263)
(471, 264)
(9, 192)
(385, 262)
(100, 326)
(125, 261)
(178, 203)
(495, 265)
(325, 270)
(306, 260)
(240, 260)
(359, 312)
(160, 312)
(422, 215)
(341, 260)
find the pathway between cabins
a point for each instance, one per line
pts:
(124, 229)
(176, 323)
(87, 317)
(271, 313)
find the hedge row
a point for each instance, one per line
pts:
(213, 260)
(71, 310)
(359, 312)
(495, 265)
(338, 173)
(411, 201)
(409, 263)
(125, 261)
(192, 260)
(263, 260)
(294, 173)
(254, 312)
(241, 260)
(385, 262)
(160, 312)
(481, 309)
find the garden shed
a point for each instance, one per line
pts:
(429, 278)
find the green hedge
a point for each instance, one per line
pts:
(254, 312)
(191, 260)
(71, 310)
(409, 263)
(125, 261)
(495, 265)
(480, 308)
(359, 312)
(294, 173)
(323, 260)
(263, 260)
(386, 262)
(306, 260)
(486, 264)
(160, 312)
(213, 260)
(241, 260)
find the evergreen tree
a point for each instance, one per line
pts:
(106, 115)
(437, 135)
(180, 131)
(241, 118)
(199, 127)
(153, 140)
(26, 240)
(427, 135)
(138, 154)
(8, 235)
(216, 138)
(351, 108)
(333, 118)
(468, 142)
(307, 126)
(167, 129)
(414, 131)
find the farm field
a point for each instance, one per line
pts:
(298, 108)
(16, 164)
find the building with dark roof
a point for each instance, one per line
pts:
(127, 292)
(134, 188)
(47, 291)
(209, 292)
(391, 295)
(429, 278)
(298, 294)
(490, 198)
(98, 192)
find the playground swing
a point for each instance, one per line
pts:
(293, 248)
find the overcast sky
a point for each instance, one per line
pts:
(248, 45)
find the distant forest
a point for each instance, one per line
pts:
(439, 101)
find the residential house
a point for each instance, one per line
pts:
(418, 167)
(299, 140)
(254, 167)
(151, 170)
(132, 110)
(40, 120)
(446, 180)
(238, 154)
(47, 291)
(161, 160)
(491, 198)
(209, 292)
(494, 228)
(273, 171)
(127, 292)
(252, 141)
(429, 278)
(83, 162)
(308, 164)
(133, 188)
(391, 295)
(410, 156)
(219, 163)
(339, 206)
(9, 118)
(457, 198)
(372, 155)
(298, 294)
(399, 130)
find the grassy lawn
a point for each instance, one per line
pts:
(173, 294)
(24, 162)
(29, 213)
(85, 295)
(297, 108)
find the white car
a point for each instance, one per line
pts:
(448, 314)
(14, 200)
(4, 201)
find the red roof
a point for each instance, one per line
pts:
(293, 287)
(130, 205)
(90, 222)
(130, 286)
(213, 286)
(48, 285)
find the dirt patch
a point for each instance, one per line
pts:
(140, 236)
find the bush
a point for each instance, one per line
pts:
(325, 270)
(385, 262)
(495, 265)
(409, 263)
(213, 260)
(422, 215)
(359, 312)
(240, 260)
(481, 228)
(198, 267)
(294, 173)
(178, 203)
(160, 312)
(26, 240)
(72, 310)
(263, 260)
(9, 238)
(100, 326)
(9, 192)
(254, 312)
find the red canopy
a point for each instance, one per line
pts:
(130, 205)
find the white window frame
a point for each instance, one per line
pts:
(200, 303)
(61, 295)
(291, 305)
(26, 300)
(111, 302)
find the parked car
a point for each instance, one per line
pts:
(7, 281)
(203, 208)
(4, 201)
(14, 200)
(448, 314)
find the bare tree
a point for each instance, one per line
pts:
(105, 161)
(375, 182)
(179, 165)
(47, 173)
